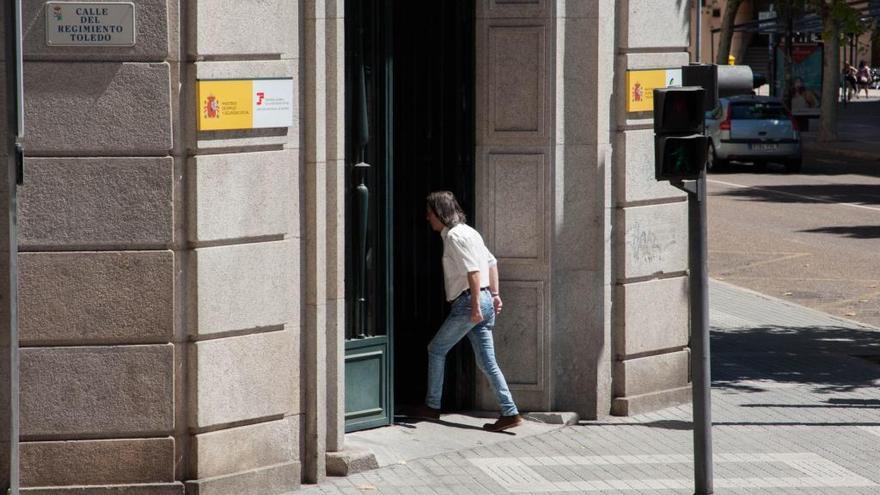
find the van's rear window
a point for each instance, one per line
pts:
(757, 111)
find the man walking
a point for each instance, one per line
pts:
(471, 278)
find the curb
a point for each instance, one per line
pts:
(553, 418)
(791, 304)
(350, 460)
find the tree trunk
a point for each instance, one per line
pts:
(830, 79)
(726, 35)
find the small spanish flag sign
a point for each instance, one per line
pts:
(640, 86)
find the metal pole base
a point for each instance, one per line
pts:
(699, 315)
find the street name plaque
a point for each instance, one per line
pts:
(90, 24)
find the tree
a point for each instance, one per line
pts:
(726, 35)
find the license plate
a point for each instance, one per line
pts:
(764, 147)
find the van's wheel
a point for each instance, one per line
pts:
(713, 163)
(793, 166)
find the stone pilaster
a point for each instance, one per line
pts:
(650, 295)
(314, 384)
(242, 269)
(582, 201)
(99, 254)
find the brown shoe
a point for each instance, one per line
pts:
(420, 411)
(504, 423)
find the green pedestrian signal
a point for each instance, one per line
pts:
(680, 147)
(683, 156)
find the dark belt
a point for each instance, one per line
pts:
(468, 291)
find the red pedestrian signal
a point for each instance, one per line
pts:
(680, 145)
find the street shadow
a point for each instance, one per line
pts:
(828, 404)
(855, 231)
(830, 163)
(821, 164)
(831, 359)
(680, 425)
(858, 194)
(412, 423)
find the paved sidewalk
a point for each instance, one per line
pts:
(858, 131)
(795, 412)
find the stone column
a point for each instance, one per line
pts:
(335, 176)
(314, 385)
(651, 296)
(242, 265)
(582, 204)
(98, 243)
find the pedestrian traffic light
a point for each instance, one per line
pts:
(720, 81)
(680, 144)
(704, 76)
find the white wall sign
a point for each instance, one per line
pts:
(90, 24)
(273, 103)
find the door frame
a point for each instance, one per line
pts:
(364, 354)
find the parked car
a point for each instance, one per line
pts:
(754, 129)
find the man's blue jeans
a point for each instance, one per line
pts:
(457, 325)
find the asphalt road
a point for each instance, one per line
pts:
(812, 238)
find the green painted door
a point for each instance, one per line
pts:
(368, 347)
(410, 130)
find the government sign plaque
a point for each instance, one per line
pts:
(90, 24)
(225, 105)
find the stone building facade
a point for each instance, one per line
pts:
(182, 294)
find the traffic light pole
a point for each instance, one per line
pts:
(699, 292)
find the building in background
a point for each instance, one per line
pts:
(752, 38)
(224, 263)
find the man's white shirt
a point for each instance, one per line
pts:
(464, 251)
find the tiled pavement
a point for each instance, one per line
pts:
(794, 411)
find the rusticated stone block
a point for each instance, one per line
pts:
(641, 404)
(71, 391)
(655, 240)
(147, 489)
(97, 109)
(240, 449)
(658, 23)
(653, 373)
(97, 202)
(92, 298)
(242, 195)
(97, 462)
(272, 480)
(241, 378)
(151, 36)
(241, 287)
(638, 182)
(653, 316)
(245, 28)
(653, 60)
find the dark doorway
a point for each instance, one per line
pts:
(433, 150)
(409, 131)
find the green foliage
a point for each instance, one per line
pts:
(844, 17)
